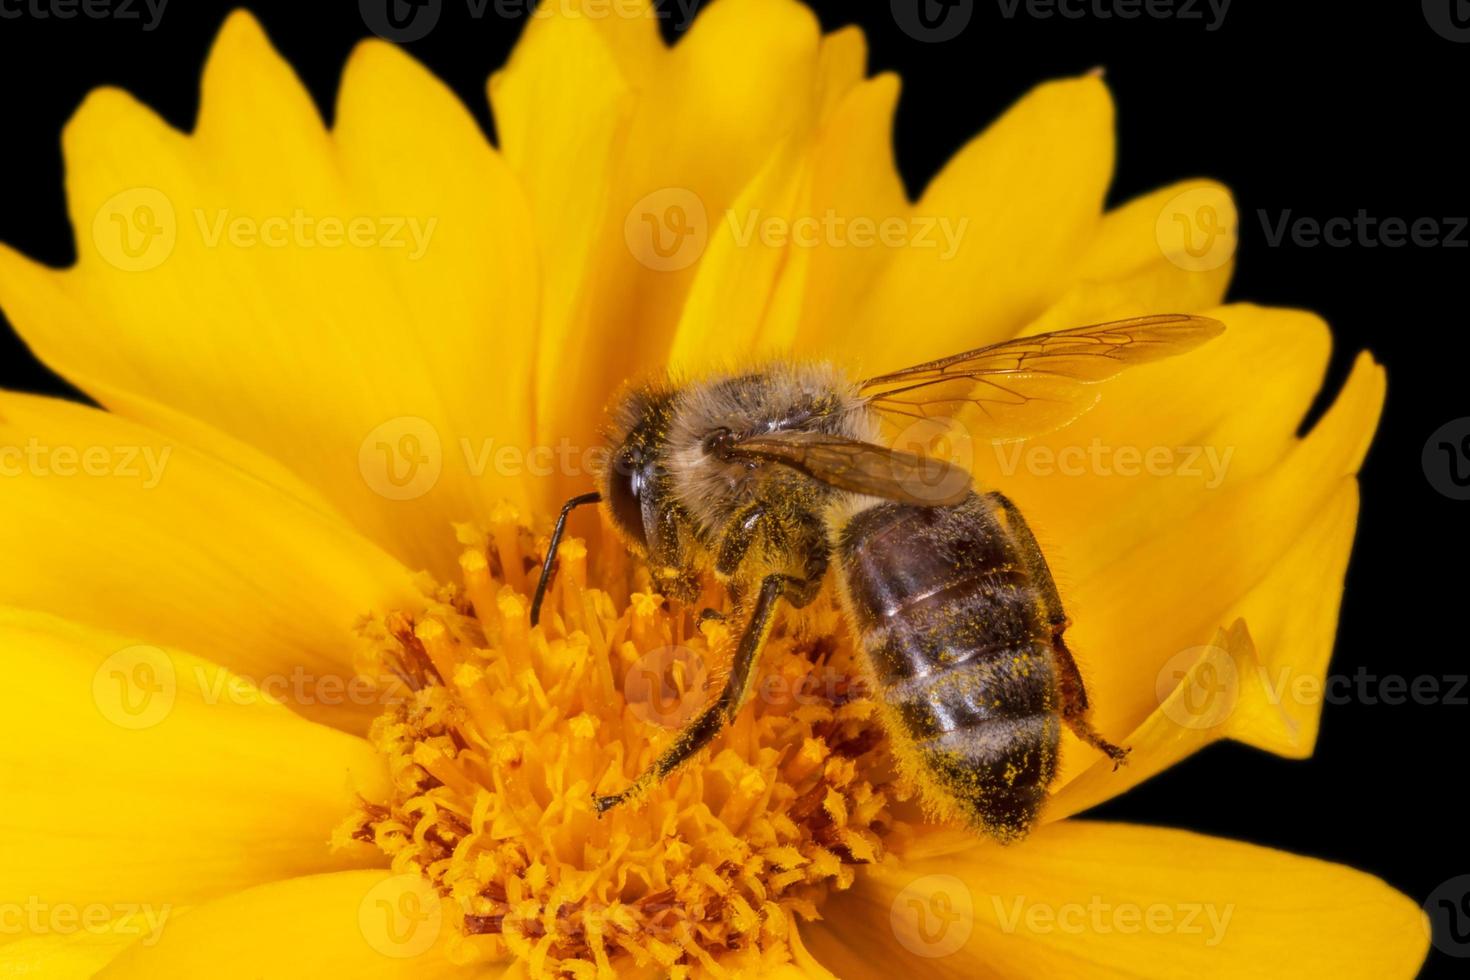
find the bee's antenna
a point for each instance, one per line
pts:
(556, 532)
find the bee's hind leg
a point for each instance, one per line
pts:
(1069, 679)
(708, 723)
(1074, 703)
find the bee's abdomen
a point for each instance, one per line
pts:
(958, 637)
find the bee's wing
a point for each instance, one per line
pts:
(1035, 384)
(862, 467)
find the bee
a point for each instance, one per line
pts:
(770, 476)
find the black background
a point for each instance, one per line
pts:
(1324, 110)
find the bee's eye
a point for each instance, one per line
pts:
(625, 486)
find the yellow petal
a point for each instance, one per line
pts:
(1181, 581)
(119, 527)
(739, 83)
(317, 296)
(369, 924)
(562, 107)
(1202, 692)
(464, 308)
(1138, 264)
(779, 269)
(1024, 199)
(1112, 900)
(138, 773)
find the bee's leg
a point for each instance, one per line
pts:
(552, 545)
(1069, 679)
(708, 723)
(709, 613)
(1074, 702)
(806, 541)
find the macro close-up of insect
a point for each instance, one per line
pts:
(732, 490)
(770, 476)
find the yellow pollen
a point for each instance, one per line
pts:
(498, 735)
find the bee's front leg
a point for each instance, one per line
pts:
(708, 723)
(758, 544)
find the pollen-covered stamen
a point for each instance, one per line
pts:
(504, 734)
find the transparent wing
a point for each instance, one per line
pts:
(862, 467)
(1031, 385)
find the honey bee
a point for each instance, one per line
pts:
(768, 477)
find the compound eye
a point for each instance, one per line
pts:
(625, 484)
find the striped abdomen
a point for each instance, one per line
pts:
(957, 614)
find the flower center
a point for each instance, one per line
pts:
(504, 733)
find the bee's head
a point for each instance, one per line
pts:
(633, 480)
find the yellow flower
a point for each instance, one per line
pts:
(245, 738)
